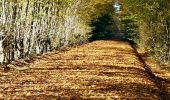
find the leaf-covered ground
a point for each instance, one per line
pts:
(98, 70)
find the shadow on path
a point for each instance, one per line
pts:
(159, 82)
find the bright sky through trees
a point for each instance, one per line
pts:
(117, 6)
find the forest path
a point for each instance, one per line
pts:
(98, 70)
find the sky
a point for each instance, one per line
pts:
(117, 6)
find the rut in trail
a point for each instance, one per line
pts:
(98, 70)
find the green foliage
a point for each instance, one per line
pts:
(152, 18)
(103, 28)
(129, 28)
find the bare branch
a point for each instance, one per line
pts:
(4, 38)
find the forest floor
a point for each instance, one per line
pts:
(98, 70)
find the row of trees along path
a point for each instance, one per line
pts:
(98, 70)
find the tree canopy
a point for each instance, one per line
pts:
(152, 18)
(30, 27)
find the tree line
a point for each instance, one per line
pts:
(147, 22)
(31, 27)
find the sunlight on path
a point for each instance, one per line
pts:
(98, 70)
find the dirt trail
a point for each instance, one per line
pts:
(99, 70)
